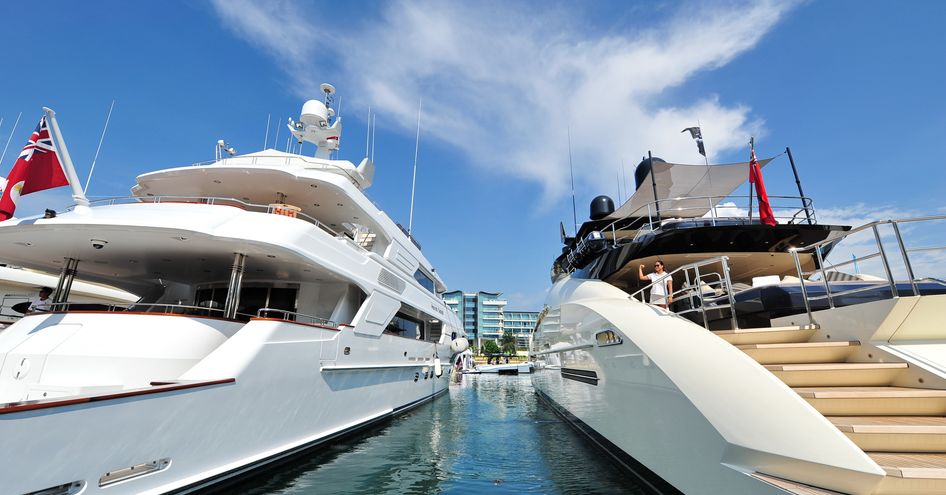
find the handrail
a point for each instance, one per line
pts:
(211, 200)
(264, 313)
(140, 307)
(874, 228)
(712, 207)
(254, 160)
(724, 280)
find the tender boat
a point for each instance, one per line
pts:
(780, 366)
(279, 309)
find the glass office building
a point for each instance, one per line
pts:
(484, 317)
(521, 324)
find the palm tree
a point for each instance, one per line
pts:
(508, 343)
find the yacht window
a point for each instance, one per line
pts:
(407, 327)
(424, 280)
(252, 299)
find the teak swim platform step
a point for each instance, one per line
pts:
(902, 429)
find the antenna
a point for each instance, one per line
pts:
(618, 176)
(102, 138)
(624, 173)
(266, 139)
(571, 170)
(374, 133)
(410, 222)
(368, 134)
(17, 122)
(276, 139)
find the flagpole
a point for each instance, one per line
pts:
(77, 195)
(751, 151)
(16, 123)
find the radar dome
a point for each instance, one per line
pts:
(644, 168)
(314, 113)
(601, 207)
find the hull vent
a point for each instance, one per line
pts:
(391, 281)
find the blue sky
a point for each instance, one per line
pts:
(855, 88)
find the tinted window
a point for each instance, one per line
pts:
(405, 326)
(424, 280)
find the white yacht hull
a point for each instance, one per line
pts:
(293, 387)
(669, 400)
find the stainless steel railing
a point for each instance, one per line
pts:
(696, 283)
(213, 200)
(711, 208)
(881, 254)
(721, 282)
(294, 316)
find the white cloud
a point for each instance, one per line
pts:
(505, 83)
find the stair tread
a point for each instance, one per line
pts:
(833, 366)
(911, 465)
(800, 345)
(798, 328)
(868, 392)
(890, 424)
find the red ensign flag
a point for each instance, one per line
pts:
(755, 178)
(37, 168)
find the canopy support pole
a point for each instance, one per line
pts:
(653, 182)
(798, 183)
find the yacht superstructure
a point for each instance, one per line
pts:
(279, 309)
(775, 368)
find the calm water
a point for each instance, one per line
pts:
(490, 435)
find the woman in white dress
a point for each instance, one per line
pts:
(661, 293)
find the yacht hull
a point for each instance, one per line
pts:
(271, 391)
(662, 394)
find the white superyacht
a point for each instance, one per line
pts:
(279, 309)
(776, 368)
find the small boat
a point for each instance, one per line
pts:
(506, 369)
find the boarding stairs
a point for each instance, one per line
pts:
(903, 429)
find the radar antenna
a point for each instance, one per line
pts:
(318, 124)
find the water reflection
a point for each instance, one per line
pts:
(491, 435)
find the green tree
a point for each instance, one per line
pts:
(490, 347)
(509, 343)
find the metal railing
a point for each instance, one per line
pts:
(310, 163)
(185, 309)
(710, 209)
(720, 282)
(889, 280)
(214, 200)
(156, 308)
(294, 316)
(696, 284)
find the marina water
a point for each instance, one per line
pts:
(491, 435)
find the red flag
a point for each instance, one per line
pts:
(755, 178)
(36, 169)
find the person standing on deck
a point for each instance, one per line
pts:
(661, 293)
(42, 302)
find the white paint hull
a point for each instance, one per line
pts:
(696, 413)
(283, 400)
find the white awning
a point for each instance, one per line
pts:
(679, 186)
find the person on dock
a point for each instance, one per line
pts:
(661, 292)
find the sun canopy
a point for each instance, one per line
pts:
(679, 186)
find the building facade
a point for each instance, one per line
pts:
(484, 317)
(521, 324)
